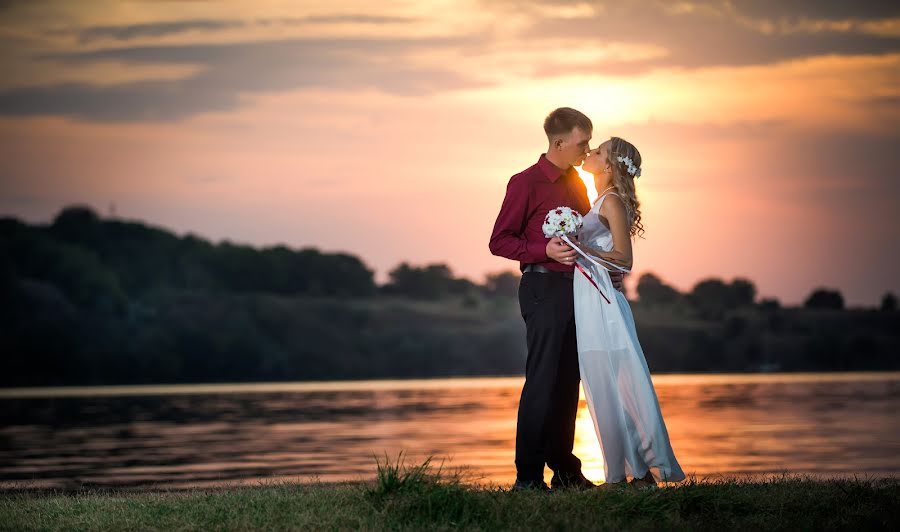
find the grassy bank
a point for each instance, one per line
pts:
(416, 498)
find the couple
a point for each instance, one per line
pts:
(578, 324)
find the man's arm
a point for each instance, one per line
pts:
(507, 239)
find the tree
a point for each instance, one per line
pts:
(769, 304)
(743, 292)
(652, 290)
(889, 302)
(429, 282)
(77, 224)
(504, 284)
(714, 295)
(824, 298)
(711, 294)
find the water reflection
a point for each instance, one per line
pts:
(175, 436)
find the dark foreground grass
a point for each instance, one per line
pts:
(422, 498)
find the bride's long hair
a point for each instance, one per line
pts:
(624, 182)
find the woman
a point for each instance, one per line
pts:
(614, 373)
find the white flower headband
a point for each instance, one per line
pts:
(632, 169)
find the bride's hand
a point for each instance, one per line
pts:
(618, 281)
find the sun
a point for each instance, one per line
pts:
(588, 181)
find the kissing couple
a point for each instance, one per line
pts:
(579, 326)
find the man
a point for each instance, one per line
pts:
(545, 432)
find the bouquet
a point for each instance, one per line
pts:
(562, 221)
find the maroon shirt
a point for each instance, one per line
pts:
(529, 197)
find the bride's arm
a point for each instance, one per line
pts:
(613, 211)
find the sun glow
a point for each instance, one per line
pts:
(586, 446)
(588, 182)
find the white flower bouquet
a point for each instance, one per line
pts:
(562, 221)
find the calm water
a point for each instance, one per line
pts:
(204, 435)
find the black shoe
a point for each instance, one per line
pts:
(524, 485)
(568, 481)
(646, 483)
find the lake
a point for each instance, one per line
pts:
(183, 436)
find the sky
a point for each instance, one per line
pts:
(769, 130)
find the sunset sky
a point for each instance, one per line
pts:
(770, 131)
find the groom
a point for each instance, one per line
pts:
(545, 432)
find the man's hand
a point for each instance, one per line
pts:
(560, 251)
(618, 281)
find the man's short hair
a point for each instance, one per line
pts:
(563, 120)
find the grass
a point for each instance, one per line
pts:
(420, 497)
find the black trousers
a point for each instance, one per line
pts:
(545, 432)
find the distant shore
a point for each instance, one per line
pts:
(105, 301)
(477, 381)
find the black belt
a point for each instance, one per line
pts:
(537, 268)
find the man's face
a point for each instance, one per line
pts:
(574, 146)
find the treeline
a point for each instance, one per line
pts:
(90, 300)
(710, 298)
(87, 300)
(723, 326)
(104, 264)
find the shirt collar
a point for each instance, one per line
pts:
(551, 170)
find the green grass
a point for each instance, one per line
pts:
(420, 497)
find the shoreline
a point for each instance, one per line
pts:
(478, 381)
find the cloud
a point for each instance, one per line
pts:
(349, 19)
(543, 39)
(708, 34)
(154, 29)
(827, 9)
(228, 71)
(127, 32)
(147, 101)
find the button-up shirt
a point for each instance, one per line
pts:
(518, 233)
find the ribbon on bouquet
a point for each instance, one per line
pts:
(594, 260)
(589, 278)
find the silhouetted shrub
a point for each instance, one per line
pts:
(824, 298)
(429, 282)
(652, 290)
(769, 304)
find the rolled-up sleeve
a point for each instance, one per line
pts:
(507, 239)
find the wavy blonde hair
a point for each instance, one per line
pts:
(624, 182)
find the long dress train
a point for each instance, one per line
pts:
(614, 373)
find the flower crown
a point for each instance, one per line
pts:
(632, 169)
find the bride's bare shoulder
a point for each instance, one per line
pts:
(612, 205)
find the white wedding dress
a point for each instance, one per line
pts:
(614, 374)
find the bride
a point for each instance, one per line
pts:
(620, 395)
